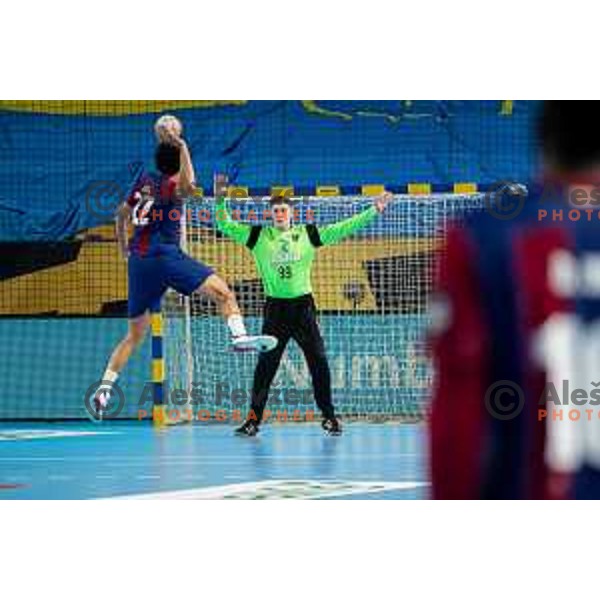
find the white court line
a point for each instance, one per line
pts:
(275, 488)
(18, 435)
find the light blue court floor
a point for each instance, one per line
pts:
(134, 460)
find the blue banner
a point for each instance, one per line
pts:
(61, 173)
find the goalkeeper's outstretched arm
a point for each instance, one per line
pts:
(332, 234)
(238, 232)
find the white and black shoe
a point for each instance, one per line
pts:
(331, 426)
(253, 343)
(248, 429)
(100, 405)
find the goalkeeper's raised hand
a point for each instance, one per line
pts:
(382, 201)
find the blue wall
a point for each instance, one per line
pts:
(49, 162)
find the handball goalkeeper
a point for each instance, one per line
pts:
(284, 255)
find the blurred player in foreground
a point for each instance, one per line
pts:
(505, 326)
(155, 259)
(284, 255)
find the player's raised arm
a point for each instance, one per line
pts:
(332, 234)
(187, 177)
(169, 129)
(186, 181)
(238, 232)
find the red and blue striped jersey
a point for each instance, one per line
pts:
(486, 438)
(156, 214)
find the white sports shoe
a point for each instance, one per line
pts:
(100, 404)
(253, 343)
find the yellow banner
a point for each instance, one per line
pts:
(110, 107)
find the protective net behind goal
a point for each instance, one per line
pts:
(371, 291)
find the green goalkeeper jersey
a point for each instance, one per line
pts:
(284, 258)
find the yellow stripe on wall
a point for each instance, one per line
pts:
(419, 188)
(156, 323)
(110, 107)
(158, 370)
(465, 188)
(328, 190)
(238, 191)
(282, 190)
(372, 189)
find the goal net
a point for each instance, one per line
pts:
(371, 291)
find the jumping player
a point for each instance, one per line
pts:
(284, 256)
(155, 260)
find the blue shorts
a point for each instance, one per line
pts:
(150, 276)
(587, 483)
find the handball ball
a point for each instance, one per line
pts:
(167, 126)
